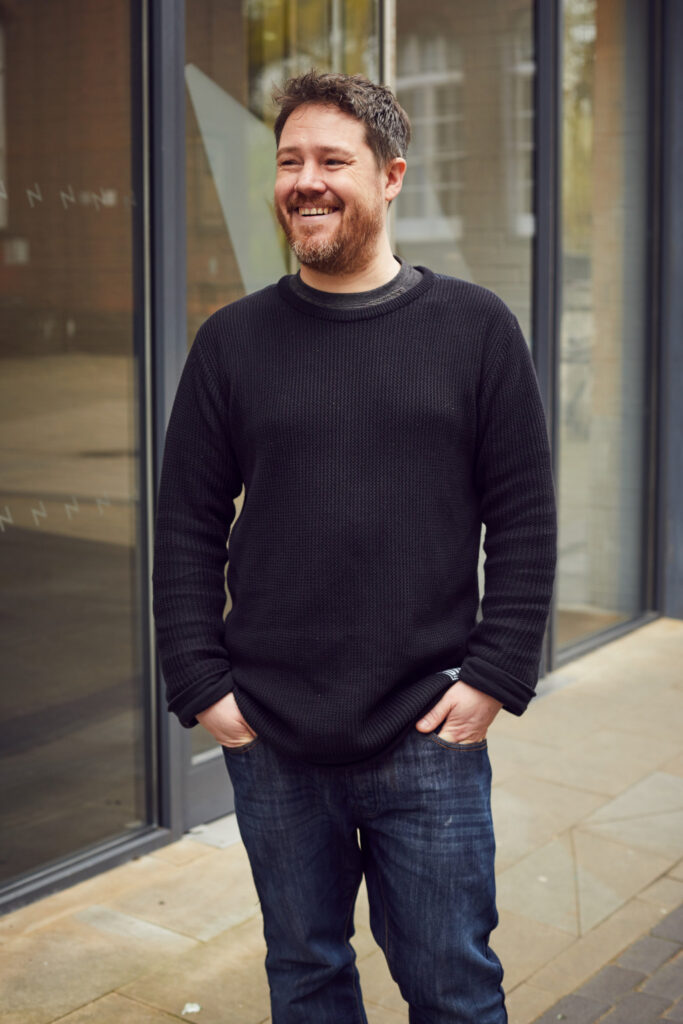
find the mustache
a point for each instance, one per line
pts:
(300, 200)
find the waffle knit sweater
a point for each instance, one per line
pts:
(372, 444)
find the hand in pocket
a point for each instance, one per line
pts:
(225, 723)
(463, 713)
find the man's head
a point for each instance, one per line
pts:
(387, 128)
(341, 141)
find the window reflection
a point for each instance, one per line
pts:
(603, 341)
(465, 76)
(73, 697)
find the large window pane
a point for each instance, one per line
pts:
(465, 74)
(71, 617)
(603, 368)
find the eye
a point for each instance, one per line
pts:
(332, 160)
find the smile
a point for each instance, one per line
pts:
(315, 211)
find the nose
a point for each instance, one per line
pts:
(309, 178)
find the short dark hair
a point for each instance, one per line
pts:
(387, 126)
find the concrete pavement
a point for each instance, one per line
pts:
(588, 806)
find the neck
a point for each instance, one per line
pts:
(378, 271)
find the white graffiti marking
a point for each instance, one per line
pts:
(67, 197)
(101, 503)
(39, 514)
(34, 194)
(6, 518)
(73, 507)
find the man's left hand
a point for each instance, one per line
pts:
(464, 714)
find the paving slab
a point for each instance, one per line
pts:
(383, 1015)
(524, 945)
(377, 985)
(582, 959)
(675, 1013)
(49, 973)
(201, 902)
(526, 1003)
(606, 761)
(666, 893)
(638, 1008)
(225, 976)
(115, 1009)
(529, 812)
(671, 927)
(575, 1010)
(132, 877)
(610, 983)
(648, 954)
(667, 980)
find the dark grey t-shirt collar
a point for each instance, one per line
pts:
(407, 277)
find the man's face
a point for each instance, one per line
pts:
(329, 193)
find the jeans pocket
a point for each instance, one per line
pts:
(242, 748)
(449, 745)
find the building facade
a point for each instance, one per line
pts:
(136, 169)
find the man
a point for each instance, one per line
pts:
(376, 414)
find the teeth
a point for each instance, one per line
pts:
(316, 211)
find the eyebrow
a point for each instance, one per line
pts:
(321, 149)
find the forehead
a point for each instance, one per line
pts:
(318, 124)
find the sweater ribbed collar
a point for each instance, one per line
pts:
(364, 313)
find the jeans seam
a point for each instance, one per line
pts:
(386, 917)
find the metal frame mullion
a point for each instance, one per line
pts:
(653, 340)
(169, 310)
(547, 266)
(669, 556)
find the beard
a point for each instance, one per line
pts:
(348, 250)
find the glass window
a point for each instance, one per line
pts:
(235, 53)
(73, 694)
(603, 355)
(465, 75)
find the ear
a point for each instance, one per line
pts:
(393, 173)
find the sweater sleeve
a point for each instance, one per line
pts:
(513, 478)
(200, 480)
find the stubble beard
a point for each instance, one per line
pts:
(350, 248)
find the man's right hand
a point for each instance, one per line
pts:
(225, 723)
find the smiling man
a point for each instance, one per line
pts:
(377, 415)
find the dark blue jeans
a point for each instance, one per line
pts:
(418, 825)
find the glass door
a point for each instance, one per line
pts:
(72, 524)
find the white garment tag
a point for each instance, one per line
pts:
(452, 673)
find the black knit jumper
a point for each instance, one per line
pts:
(372, 444)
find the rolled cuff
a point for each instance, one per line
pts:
(513, 693)
(189, 703)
